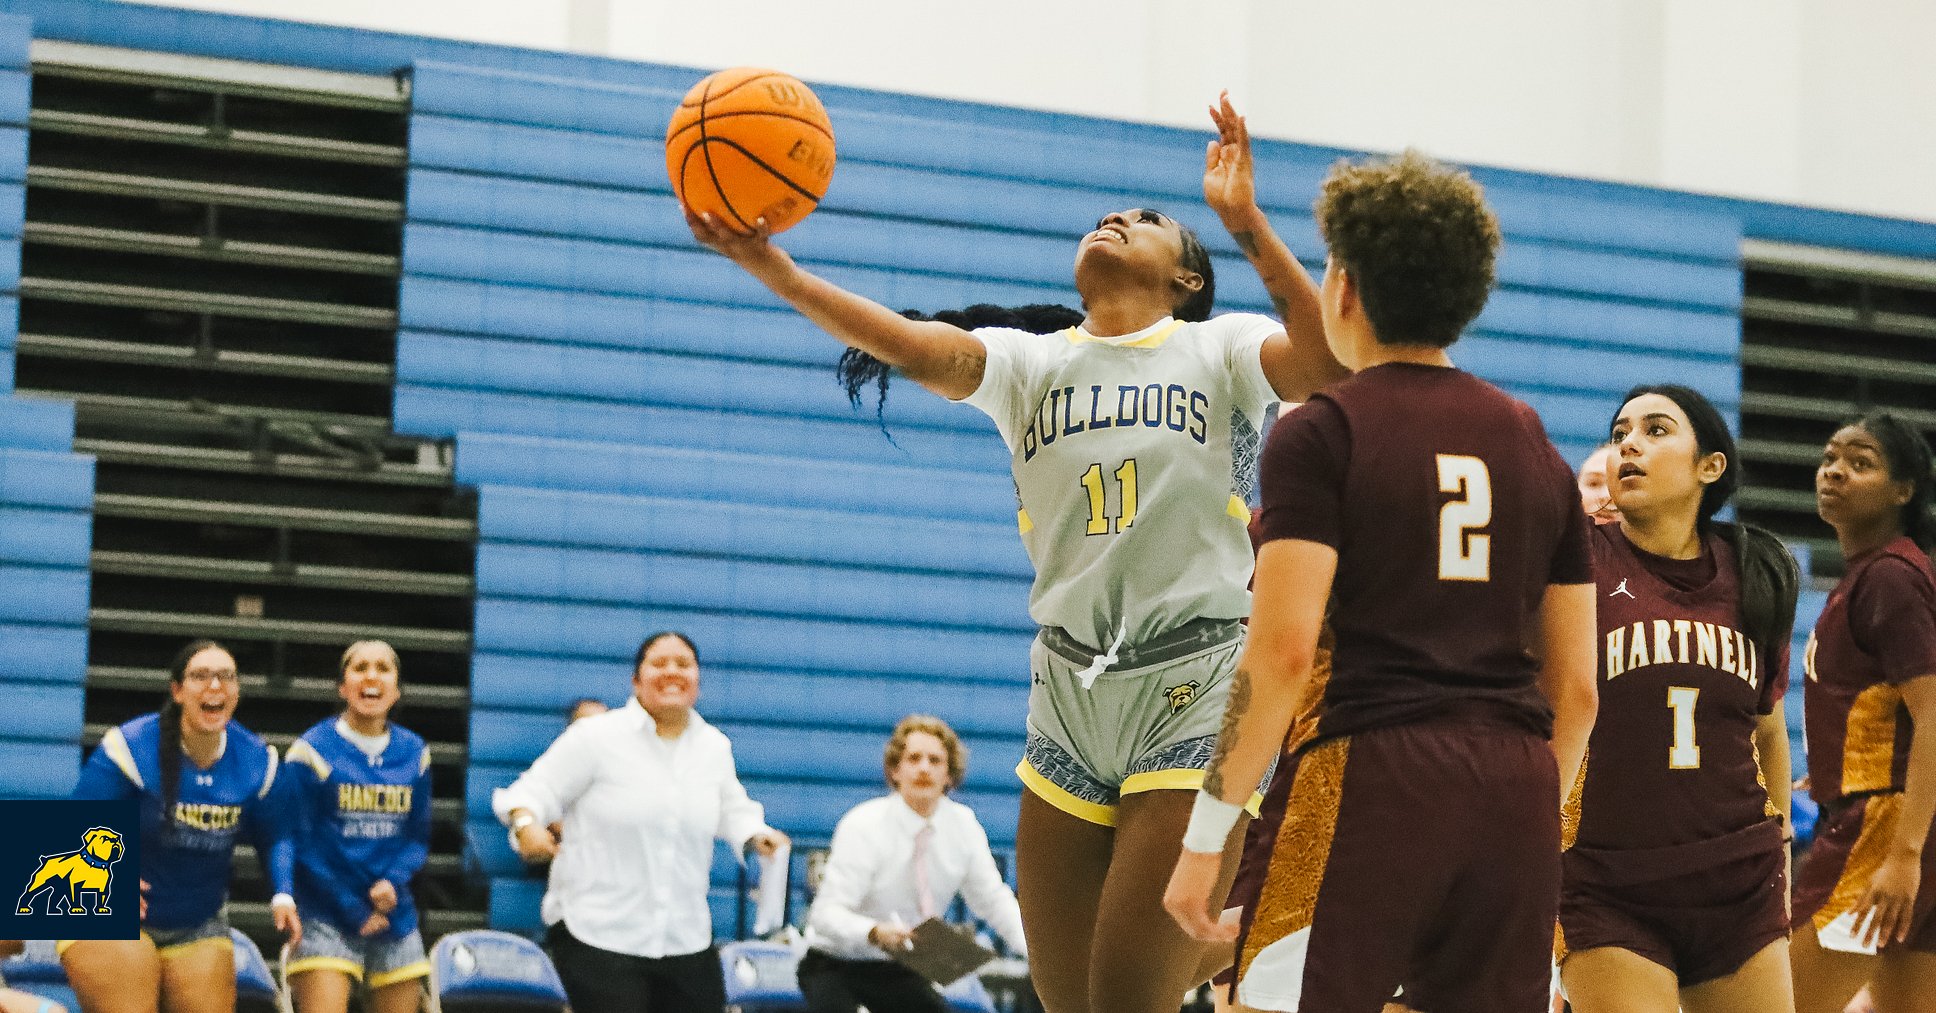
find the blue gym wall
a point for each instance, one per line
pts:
(656, 444)
(46, 502)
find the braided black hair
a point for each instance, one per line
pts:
(858, 370)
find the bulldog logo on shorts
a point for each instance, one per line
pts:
(87, 870)
(1180, 695)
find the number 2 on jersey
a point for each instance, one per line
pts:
(1464, 553)
(1098, 515)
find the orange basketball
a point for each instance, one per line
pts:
(748, 143)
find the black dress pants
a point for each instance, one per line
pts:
(600, 981)
(834, 985)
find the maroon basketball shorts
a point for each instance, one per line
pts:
(1423, 855)
(1254, 865)
(1850, 842)
(1701, 925)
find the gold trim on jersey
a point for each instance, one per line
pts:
(1181, 779)
(1289, 897)
(116, 746)
(1570, 811)
(341, 965)
(1022, 521)
(1055, 795)
(1869, 742)
(1237, 508)
(1155, 339)
(414, 969)
(300, 751)
(1879, 815)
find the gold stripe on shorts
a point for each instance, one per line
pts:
(1879, 815)
(1289, 896)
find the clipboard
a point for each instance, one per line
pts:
(942, 953)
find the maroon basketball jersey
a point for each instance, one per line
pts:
(1451, 513)
(1877, 631)
(1672, 757)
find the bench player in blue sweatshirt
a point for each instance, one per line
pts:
(360, 786)
(214, 780)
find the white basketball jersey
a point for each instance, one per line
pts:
(1133, 460)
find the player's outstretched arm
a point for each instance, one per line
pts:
(1299, 362)
(941, 357)
(1568, 674)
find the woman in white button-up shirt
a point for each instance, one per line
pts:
(642, 790)
(895, 862)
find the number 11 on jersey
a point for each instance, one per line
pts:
(1092, 481)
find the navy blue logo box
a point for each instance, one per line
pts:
(74, 867)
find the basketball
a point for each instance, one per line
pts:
(748, 143)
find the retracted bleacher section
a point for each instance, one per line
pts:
(46, 499)
(658, 444)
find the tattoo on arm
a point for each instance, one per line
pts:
(969, 364)
(1233, 712)
(1247, 242)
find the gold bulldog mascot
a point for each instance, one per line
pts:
(89, 870)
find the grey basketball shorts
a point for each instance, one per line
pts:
(1148, 722)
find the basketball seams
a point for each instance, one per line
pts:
(706, 150)
(761, 76)
(756, 160)
(803, 121)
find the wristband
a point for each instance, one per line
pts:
(1210, 821)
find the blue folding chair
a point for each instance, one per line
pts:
(762, 977)
(255, 988)
(38, 971)
(483, 970)
(968, 995)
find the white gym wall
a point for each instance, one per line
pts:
(1820, 102)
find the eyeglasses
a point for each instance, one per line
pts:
(205, 676)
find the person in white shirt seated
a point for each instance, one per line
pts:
(897, 861)
(642, 790)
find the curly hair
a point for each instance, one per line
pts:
(950, 742)
(1417, 238)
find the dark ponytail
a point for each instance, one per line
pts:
(1768, 576)
(1908, 458)
(1770, 581)
(171, 736)
(858, 370)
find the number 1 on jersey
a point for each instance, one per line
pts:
(1685, 753)
(1464, 553)
(1098, 510)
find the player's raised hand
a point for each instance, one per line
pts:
(1190, 898)
(1229, 181)
(1890, 902)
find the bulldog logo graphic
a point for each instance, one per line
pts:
(88, 870)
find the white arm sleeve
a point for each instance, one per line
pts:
(1243, 336)
(851, 862)
(1008, 377)
(554, 782)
